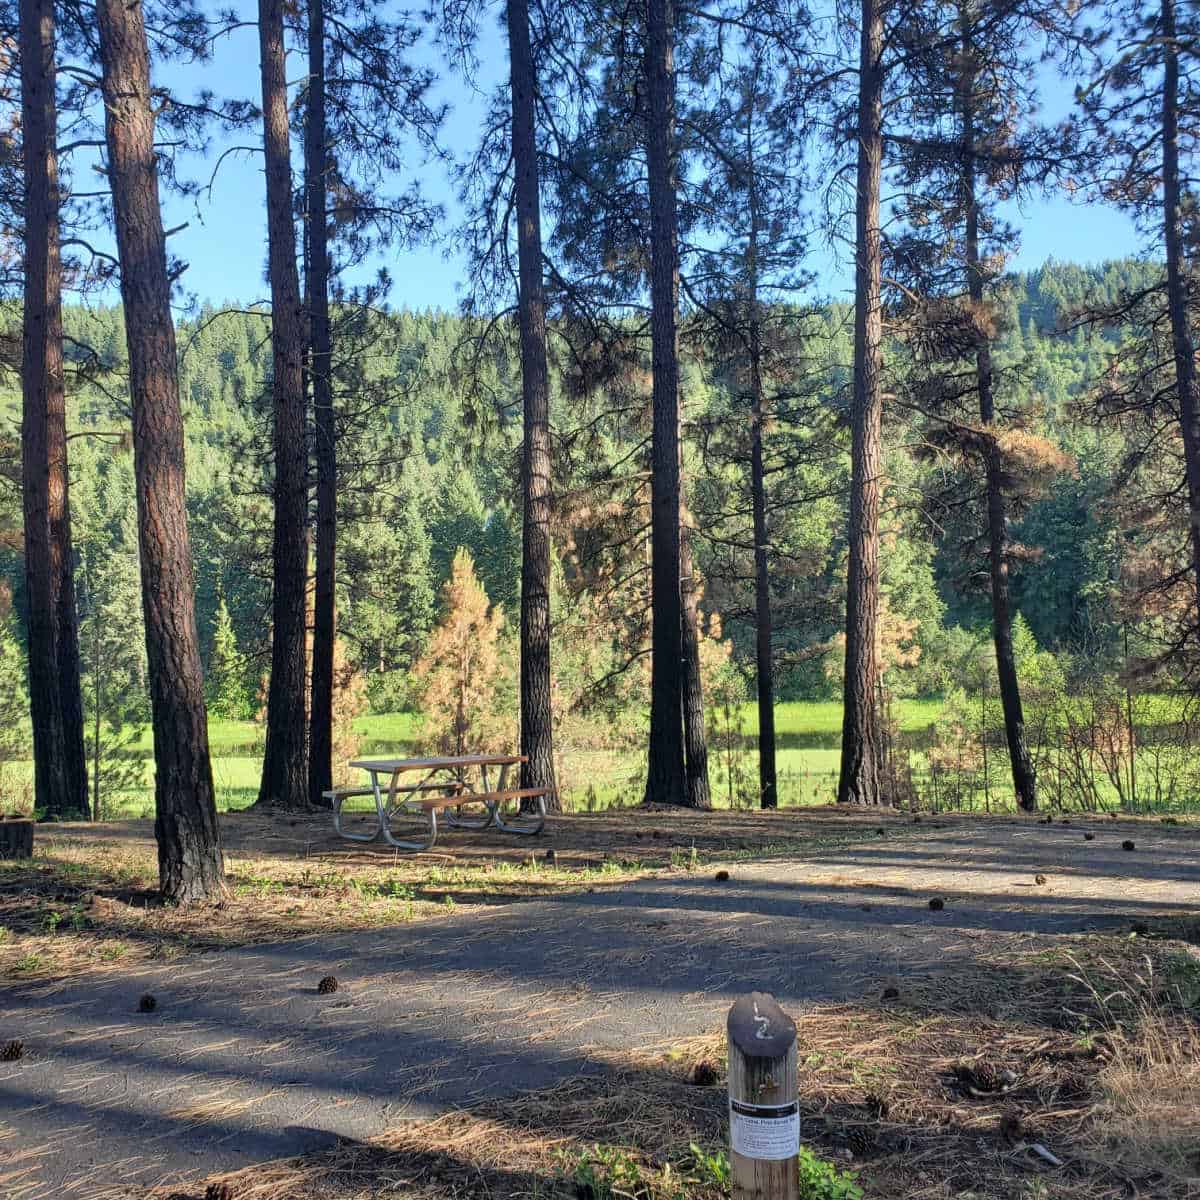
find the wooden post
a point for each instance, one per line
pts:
(16, 838)
(764, 1116)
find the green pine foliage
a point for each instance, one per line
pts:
(429, 465)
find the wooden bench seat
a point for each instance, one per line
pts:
(435, 802)
(337, 795)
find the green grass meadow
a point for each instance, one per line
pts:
(808, 737)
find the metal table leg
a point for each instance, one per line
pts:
(388, 836)
(455, 819)
(357, 837)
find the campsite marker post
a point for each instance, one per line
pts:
(764, 1115)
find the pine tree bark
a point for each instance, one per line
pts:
(859, 782)
(190, 865)
(284, 776)
(1183, 344)
(768, 788)
(45, 213)
(695, 740)
(320, 362)
(42, 390)
(1023, 772)
(537, 729)
(665, 778)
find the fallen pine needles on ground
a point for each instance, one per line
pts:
(1065, 1074)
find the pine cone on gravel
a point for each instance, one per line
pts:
(147, 1003)
(11, 1051)
(219, 1191)
(327, 986)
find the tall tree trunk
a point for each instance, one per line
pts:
(284, 781)
(41, 391)
(66, 612)
(320, 362)
(537, 730)
(859, 782)
(43, 212)
(1023, 773)
(695, 740)
(768, 789)
(190, 867)
(1182, 342)
(665, 780)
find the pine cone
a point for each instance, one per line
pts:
(327, 986)
(1128, 846)
(1089, 837)
(937, 904)
(704, 1074)
(983, 1079)
(861, 1139)
(1011, 1127)
(219, 1191)
(11, 1051)
(147, 1003)
(876, 1106)
(1040, 880)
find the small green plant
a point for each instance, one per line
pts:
(821, 1180)
(709, 1166)
(604, 1173)
(28, 963)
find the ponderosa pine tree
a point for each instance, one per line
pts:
(284, 774)
(364, 101)
(190, 864)
(982, 53)
(1141, 105)
(320, 374)
(537, 725)
(60, 774)
(665, 777)
(751, 190)
(860, 780)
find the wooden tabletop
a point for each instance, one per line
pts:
(397, 766)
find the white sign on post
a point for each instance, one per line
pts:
(766, 1132)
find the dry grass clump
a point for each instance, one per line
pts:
(1146, 1121)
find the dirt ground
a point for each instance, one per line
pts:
(86, 901)
(513, 1030)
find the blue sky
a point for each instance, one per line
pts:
(225, 240)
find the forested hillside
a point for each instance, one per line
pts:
(428, 436)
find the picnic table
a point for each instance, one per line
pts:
(443, 786)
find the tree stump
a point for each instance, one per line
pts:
(764, 1116)
(16, 837)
